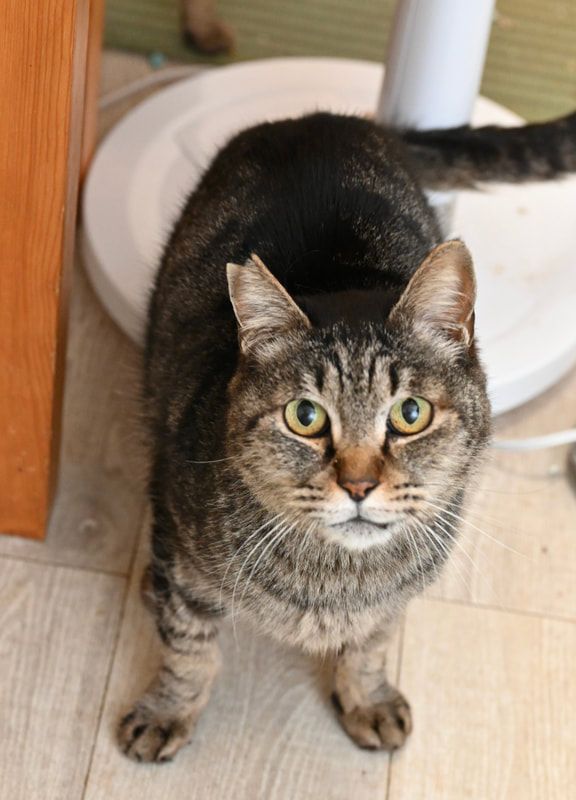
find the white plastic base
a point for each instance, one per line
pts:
(522, 238)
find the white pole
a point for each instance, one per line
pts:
(434, 66)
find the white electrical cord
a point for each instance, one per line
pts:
(154, 78)
(536, 442)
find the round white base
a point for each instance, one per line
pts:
(522, 238)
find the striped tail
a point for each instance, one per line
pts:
(460, 158)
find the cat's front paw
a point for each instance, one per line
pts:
(382, 726)
(147, 738)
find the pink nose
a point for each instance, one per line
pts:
(358, 489)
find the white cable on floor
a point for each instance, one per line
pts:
(154, 78)
(536, 442)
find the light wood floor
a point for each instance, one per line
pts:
(487, 657)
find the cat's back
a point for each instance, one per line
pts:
(326, 201)
(313, 197)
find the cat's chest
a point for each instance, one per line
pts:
(320, 628)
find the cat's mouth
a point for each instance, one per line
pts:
(358, 533)
(359, 523)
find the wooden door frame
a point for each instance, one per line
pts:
(45, 74)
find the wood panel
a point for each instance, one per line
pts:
(100, 502)
(57, 633)
(269, 732)
(92, 86)
(493, 696)
(42, 73)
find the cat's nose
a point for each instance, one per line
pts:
(358, 489)
(358, 469)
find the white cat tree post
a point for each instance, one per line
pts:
(434, 66)
(434, 63)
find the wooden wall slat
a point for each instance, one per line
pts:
(42, 81)
(92, 84)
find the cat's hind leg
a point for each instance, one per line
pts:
(163, 720)
(372, 712)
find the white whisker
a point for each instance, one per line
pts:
(258, 544)
(449, 555)
(214, 461)
(283, 532)
(426, 542)
(463, 520)
(305, 535)
(454, 534)
(244, 543)
(417, 555)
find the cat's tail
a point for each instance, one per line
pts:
(459, 158)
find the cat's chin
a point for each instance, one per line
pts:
(358, 534)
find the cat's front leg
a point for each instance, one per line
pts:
(163, 720)
(372, 712)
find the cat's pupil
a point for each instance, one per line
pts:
(306, 413)
(410, 411)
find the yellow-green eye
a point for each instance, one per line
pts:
(411, 415)
(306, 418)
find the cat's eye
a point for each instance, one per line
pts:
(410, 415)
(306, 418)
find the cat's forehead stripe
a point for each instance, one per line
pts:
(394, 378)
(319, 375)
(336, 361)
(372, 370)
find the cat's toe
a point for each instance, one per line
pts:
(144, 738)
(382, 726)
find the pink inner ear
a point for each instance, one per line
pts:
(263, 307)
(442, 291)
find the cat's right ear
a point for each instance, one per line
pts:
(441, 293)
(264, 309)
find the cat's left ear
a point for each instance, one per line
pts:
(264, 309)
(442, 292)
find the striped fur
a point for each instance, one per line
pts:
(461, 158)
(359, 305)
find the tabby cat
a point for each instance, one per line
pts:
(316, 401)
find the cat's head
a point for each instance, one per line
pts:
(358, 429)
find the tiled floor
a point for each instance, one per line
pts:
(487, 658)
